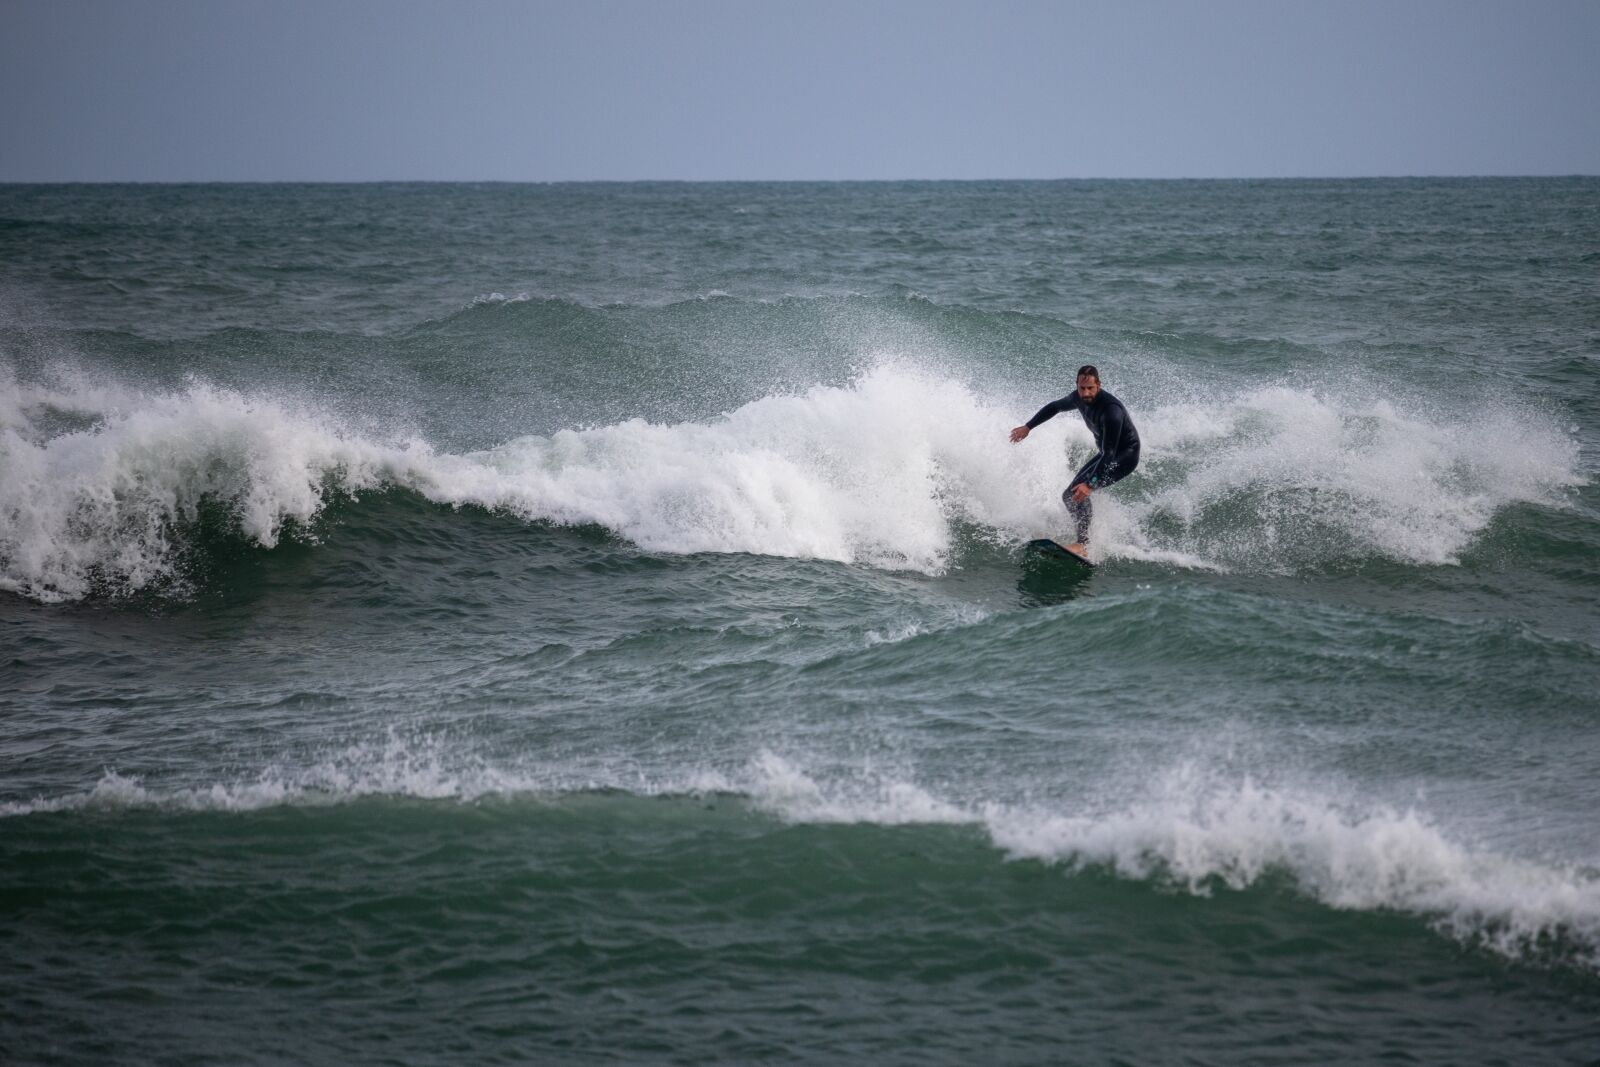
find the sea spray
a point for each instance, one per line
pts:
(873, 473)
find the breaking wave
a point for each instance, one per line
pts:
(1190, 828)
(99, 484)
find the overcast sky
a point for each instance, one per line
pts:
(356, 90)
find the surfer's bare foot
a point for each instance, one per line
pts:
(1078, 548)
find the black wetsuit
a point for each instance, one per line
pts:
(1114, 435)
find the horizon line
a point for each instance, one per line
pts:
(779, 181)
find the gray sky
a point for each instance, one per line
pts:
(353, 90)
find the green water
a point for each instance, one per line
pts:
(589, 623)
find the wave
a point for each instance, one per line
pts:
(101, 483)
(1347, 857)
(1288, 478)
(1191, 829)
(800, 318)
(1200, 832)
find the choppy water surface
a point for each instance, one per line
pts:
(588, 623)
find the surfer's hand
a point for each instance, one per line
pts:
(1080, 492)
(1018, 434)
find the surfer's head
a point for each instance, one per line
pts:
(1088, 382)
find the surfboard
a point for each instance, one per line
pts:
(1045, 548)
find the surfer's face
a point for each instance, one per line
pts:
(1088, 388)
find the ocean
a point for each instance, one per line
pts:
(589, 623)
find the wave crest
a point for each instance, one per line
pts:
(99, 483)
(1192, 827)
(103, 503)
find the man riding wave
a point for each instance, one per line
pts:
(1114, 436)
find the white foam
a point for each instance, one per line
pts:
(1169, 556)
(892, 635)
(1299, 478)
(878, 472)
(1195, 829)
(396, 766)
(499, 298)
(1191, 827)
(104, 501)
(870, 473)
(1347, 856)
(784, 788)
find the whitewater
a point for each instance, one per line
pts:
(591, 624)
(856, 473)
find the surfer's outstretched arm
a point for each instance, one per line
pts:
(1054, 408)
(1045, 414)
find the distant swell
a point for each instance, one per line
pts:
(100, 484)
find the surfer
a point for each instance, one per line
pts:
(1114, 435)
